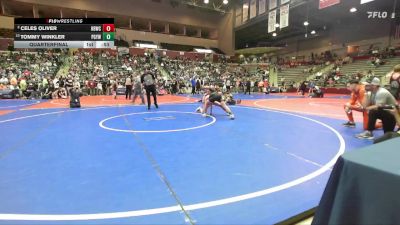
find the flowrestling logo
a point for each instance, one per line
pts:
(379, 15)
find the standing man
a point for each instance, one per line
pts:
(228, 85)
(149, 82)
(376, 101)
(395, 82)
(128, 87)
(311, 86)
(75, 95)
(248, 86)
(137, 91)
(198, 86)
(355, 103)
(193, 83)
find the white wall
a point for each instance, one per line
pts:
(130, 35)
(141, 9)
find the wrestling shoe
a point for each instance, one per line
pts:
(365, 135)
(231, 116)
(199, 110)
(204, 115)
(349, 124)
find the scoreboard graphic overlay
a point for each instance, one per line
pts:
(64, 33)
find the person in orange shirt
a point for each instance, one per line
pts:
(357, 95)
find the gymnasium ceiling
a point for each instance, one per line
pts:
(255, 32)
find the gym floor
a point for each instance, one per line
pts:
(112, 162)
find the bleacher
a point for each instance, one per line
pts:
(363, 66)
(293, 75)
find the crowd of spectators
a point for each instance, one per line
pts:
(185, 74)
(30, 73)
(38, 74)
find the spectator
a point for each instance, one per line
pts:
(99, 88)
(92, 87)
(128, 87)
(48, 92)
(193, 85)
(395, 82)
(374, 103)
(248, 87)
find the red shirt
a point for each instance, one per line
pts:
(92, 84)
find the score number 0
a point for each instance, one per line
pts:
(108, 27)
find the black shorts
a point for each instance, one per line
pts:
(215, 98)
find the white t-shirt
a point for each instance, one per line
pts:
(4, 80)
(128, 81)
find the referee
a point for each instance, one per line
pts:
(149, 82)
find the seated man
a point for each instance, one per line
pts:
(75, 98)
(230, 100)
(355, 103)
(317, 92)
(48, 92)
(214, 97)
(377, 99)
(62, 93)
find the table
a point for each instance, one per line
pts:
(364, 187)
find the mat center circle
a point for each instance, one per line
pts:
(156, 122)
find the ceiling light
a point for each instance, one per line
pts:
(225, 2)
(306, 23)
(199, 50)
(206, 1)
(144, 45)
(354, 9)
(277, 25)
(274, 34)
(366, 1)
(313, 32)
